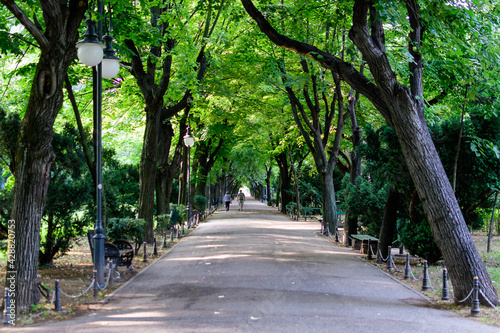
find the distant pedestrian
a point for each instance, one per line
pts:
(241, 199)
(227, 200)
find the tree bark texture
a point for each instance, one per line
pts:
(285, 178)
(402, 108)
(34, 152)
(389, 221)
(269, 171)
(147, 171)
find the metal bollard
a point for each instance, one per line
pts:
(389, 258)
(6, 302)
(155, 250)
(164, 244)
(145, 259)
(425, 279)
(112, 272)
(96, 286)
(407, 267)
(474, 311)
(401, 249)
(369, 247)
(445, 296)
(379, 254)
(57, 302)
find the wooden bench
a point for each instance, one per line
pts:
(121, 252)
(360, 242)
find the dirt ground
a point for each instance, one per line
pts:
(487, 314)
(74, 272)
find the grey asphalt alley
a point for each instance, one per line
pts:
(257, 271)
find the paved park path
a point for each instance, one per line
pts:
(257, 271)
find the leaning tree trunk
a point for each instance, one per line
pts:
(405, 113)
(147, 171)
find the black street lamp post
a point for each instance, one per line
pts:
(189, 142)
(91, 52)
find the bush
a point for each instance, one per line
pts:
(200, 202)
(127, 229)
(418, 240)
(292, 207)
(163, 222)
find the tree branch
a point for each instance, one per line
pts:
(27, 23)
(344, 69)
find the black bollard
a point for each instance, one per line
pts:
(407, 267)
(6, 302)
(379, 255)
(401, 249)
(164, 244)
(474, 311)
(445, 296)
(155, 250)
(57, 301)
(96, 286)
(425, 279)
(112, 272)
(369, 247)
(389, 258)
(145, 259)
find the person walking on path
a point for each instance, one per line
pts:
(227, 200)
(241, 199)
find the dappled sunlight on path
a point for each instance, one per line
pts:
(257, 271)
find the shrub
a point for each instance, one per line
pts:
(291, 206)
(127, 229)
(163, 222)
(200, 202)
(418, 240)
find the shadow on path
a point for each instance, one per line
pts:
(257, 271)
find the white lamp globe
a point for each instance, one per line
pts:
(90, 54)
(110, 68)
(188, 140)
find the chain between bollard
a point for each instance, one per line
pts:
(488, 300)
(466, 298)
(80, 295)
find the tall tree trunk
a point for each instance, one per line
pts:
(285, 178)
(147, 171)
(389, 221)
(183, 179)
(165, 135)
(295, 183)
(34, 152)
(268, 185)
(329, 204)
